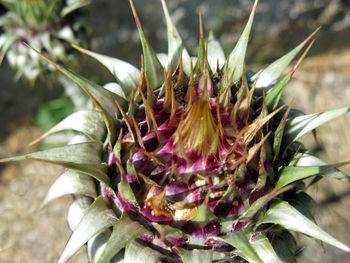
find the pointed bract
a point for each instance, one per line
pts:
(175, 45)
(298, 126)
(96, 219)
(71, 182)
(271, 74)
(154, 69)
(195, 255)
(237, 57)
(126, 74)
(287, 216)
(216, 55)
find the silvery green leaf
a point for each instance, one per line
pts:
(89, 152)
(84, 157)
(285, 246)
(285, 215)
(6, 18)
(96, 245)
(278, 136)
(115, 88)
(175, 46)
(153, 68)
(270, 75)
(298, 126)
(125, 190)
(76, 211)
(201, 56)
(274, 96)
(66, 33)
(73, 5)
(96, 219)
(240, 240)
(306, 159)
(290, 174)
(303, 203)
(77, 95)
(126, 74)
(137, 253)
(216, 55)
(6, 41)
(264, 249)
(45, 39)
(260, 203)
(237, 56)
(89, 123)
(80, 138)
(195, 255)
(163, 59)
(102, 98)
(71, 182)
(124, 231)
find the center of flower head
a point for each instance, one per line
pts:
(197, 132)
(192, 150)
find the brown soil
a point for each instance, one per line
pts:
(31, 234)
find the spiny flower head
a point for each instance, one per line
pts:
(189, 160)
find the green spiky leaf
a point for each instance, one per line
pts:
(298, 126)
(264, 249)
(274, 96)
(96, 245)
(84, 157)
(153, 68)
(77, 210)
(195, 255)
(124, 189)
(201, 48)
(240, 240)
(237, 56)
(285, 246)
(270, 75)
(175, 46)
(105, 98)
(71, 182)
(260, 203)
(278, 136)
(216, 55)
(6, 41)
(89, 123)
(306, 159)
(74, 5)
(95, 220)
(291, 174)
(285, 215)
(126, 74)
(89, 152)
(124, 231)
(137, 253)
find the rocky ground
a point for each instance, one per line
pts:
(31, 234)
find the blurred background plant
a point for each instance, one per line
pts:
(50, 26)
